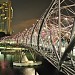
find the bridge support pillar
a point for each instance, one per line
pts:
(5, 57)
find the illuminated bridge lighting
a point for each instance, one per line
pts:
(52, 37)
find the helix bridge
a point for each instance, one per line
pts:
(52, 36)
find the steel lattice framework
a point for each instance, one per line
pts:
(53, 35)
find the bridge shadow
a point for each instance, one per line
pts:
(47, 68)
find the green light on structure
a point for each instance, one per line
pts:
(1, 57)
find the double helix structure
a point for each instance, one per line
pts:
(52, 36)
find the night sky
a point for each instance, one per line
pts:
(28, 9)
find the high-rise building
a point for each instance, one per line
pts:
(6, 12)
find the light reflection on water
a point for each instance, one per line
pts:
(5, 68)
(29, 71)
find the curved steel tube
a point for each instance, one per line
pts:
(45, 14)
(33, 32)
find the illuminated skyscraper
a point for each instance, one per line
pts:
(6, 12)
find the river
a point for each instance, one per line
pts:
(6, 68)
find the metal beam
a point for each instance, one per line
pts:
(44, 17)
(67, 50)
(73, 29)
